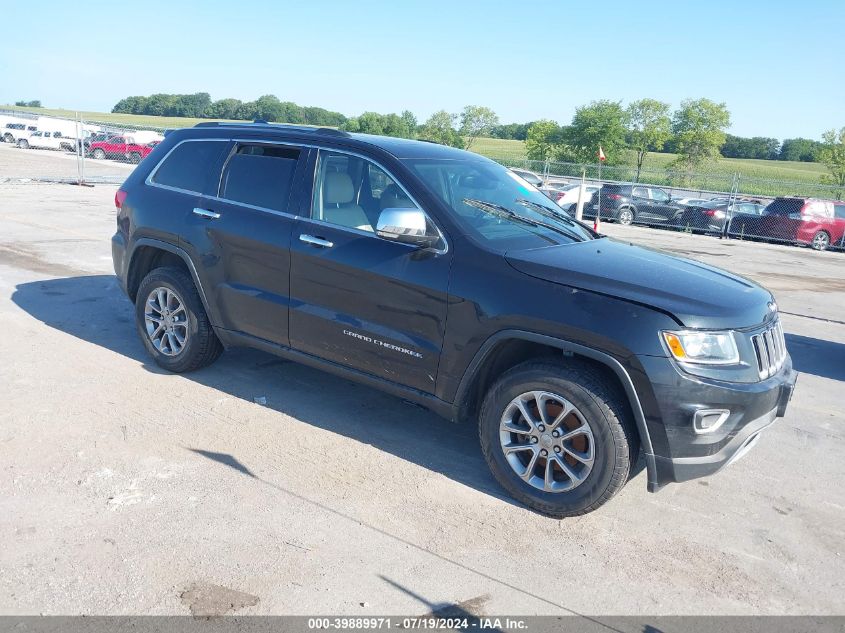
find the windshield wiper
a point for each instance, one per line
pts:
(503, 212)
(558, 216)
(561, 216)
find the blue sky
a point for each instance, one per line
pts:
(778, 65)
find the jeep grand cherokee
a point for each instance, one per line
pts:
(441, 277)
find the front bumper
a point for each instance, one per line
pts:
(681, 454)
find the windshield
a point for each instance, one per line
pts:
(497, 207)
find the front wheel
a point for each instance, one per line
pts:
(172, 322)
(134, 158)
(99, 154)
(23, 144)
(821, 241)
(557, 437)
(626, 217)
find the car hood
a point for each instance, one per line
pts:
(697, 295)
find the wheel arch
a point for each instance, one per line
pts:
(148, 254)
(508, 348)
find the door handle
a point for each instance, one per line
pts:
(315, 241)
(205, 213)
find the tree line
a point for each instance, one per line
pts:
(200, 105)
(695, 131)
(457, 130)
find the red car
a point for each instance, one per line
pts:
(121, 147)
(808, 221)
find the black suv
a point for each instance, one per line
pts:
(440, 277)
(633, 204)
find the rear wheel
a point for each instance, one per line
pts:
(626, 216)
(134, 157)
(23, 144)
(172, 322)
(821, 240)
(99, 154)
(8, 138)
(557, 437)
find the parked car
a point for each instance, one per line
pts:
(120, 147)
(15, 131)
(42, 139)
(633, 204)
(433, 274)
(566, 196)
(528, 176)
(804, 221)
(95, 137)
(711, 216)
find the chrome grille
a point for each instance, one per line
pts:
(770, 348)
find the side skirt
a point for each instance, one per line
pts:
(231, 339)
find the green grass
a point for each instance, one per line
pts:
(757, 177)
(128, 120)
(499, 148)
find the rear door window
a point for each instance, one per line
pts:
(187, 166)
(659, 195)
(260, 176)
(640, 192)
(839, 211)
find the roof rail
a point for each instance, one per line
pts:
(311, 129)
(331, 131)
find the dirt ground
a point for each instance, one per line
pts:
(127, 490)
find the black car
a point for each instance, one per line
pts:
(633, 204)
(431, 273)
(712, 216)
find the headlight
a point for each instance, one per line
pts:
(705, 348)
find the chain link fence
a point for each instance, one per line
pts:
(82, 151)
(728, 205)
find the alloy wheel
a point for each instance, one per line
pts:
(547, 441)
(166, 321)
(625, 216)
(820, 241)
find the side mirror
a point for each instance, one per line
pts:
(408, 226)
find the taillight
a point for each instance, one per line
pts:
(613, 196)
(710, 212)
(119, 197)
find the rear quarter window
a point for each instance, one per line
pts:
(188, 165)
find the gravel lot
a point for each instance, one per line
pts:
(124, 489)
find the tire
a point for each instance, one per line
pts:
(99, 154)
(626, 216)
(821, 240)
(612, 438)
(23, 144)
(200, 346)
(134, 158)
(8, 138)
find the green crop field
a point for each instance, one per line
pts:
(128, 120)
(716, 175)
(504, 149)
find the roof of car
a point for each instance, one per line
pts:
(400, 147)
